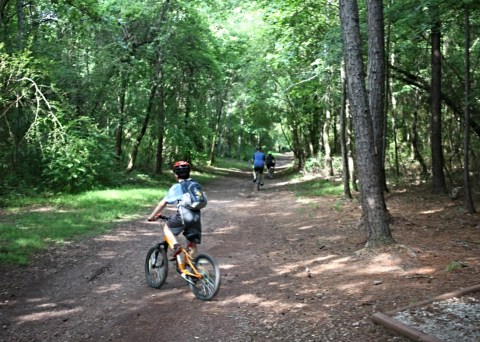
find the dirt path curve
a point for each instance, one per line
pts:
(289, 273)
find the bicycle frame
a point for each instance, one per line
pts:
(200, 270)
(186, 260)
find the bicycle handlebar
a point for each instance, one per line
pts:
(159, 217)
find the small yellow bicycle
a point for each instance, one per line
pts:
(202, 271)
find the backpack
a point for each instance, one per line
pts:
(193, 196)
(258, 159)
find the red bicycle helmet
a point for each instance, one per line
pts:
(181, 168)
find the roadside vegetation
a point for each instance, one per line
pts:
(32, 223)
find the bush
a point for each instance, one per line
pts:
(82, 162)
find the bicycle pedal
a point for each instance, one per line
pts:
(187, 278)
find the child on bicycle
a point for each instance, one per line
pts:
(270, 163)
(185, 220)
(258, 165)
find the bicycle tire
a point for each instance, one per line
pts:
(207, 287)
(156, 267)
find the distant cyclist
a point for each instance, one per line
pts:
(258, 165)
(270, 163)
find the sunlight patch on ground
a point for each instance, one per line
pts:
(245, 298)
(50, 209)
(115, 238)
(227, 229)
(278, 184)
(432, 211)
(47, 314)
(106, 289)
(336, 264)
(227, 266)
(351, 288)
(299, 267)
(379, 268)
(217, 201)
(262, 302)
(305, 200)
(243, 206)
(421, 271)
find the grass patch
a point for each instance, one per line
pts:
(317, 188)
(34, 226)
(30, 224)
(232, 164)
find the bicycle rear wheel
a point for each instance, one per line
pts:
(207, 287)
(156, 267)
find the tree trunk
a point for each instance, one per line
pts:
(136, 144)
(121, 115)
(161, 128)
(21, 24)
(219, 111)
(350, 146)
(326, 135)
(343, 137)
(469, 207)
(216, 130)
(375, 216)
(438, 177)
(416, 139)
(376, 81)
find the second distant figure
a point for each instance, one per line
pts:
(258, 165)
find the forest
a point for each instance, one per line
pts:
(96, 91)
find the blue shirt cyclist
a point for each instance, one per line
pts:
(258, 164)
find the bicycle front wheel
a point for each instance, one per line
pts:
(206, 287)
(156, 267)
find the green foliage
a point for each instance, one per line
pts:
(84, 160)
(452, 266)
(241, 73)
(231, 164)
(318, 188)
(313, 165)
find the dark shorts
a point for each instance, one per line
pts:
(258, 169)
(188, 222)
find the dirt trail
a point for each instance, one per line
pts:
(290, 272)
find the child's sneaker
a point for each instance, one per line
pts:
(176, 251)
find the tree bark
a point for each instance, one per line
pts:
(469, 207)
(376, 81)
(375, 216)
(221, 98)
(161, 127)
(326, 133)
(136, 144)
(343, 137)
(121, 115)
(21, 24)
(415, 137)
(438, 177)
